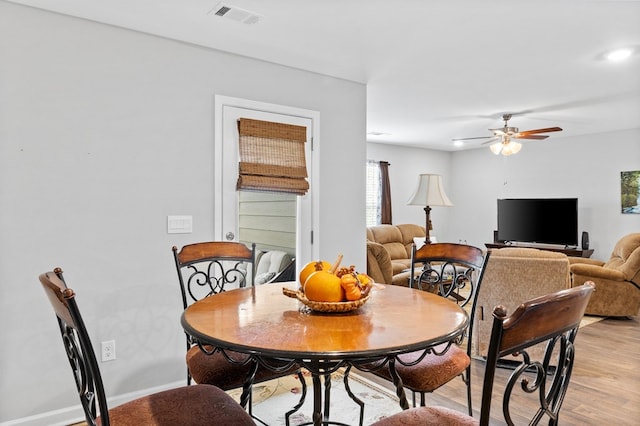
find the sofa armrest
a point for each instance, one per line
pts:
(379, 263)
(595, 271)
(585, 261)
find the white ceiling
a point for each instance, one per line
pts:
(434, 70)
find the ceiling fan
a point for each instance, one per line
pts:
(503, 137)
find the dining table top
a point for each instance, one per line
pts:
(262, 320)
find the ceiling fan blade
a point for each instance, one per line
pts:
(546, 130)
(493, 139)
(468, 139)
(521, 136)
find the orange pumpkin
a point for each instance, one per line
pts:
(323, 286)
(312, 267)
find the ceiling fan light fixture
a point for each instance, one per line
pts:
(505, 148)
(496, 148)
(512, 148)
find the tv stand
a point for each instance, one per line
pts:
(568, 251)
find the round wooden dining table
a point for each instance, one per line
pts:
(262, 322)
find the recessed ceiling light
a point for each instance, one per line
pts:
(458, 143)
(619, 54)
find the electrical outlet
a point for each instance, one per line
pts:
(108, 350)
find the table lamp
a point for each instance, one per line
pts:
(429, 192)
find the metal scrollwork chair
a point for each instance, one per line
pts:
(208, 268)
(184, 406)
(446, 269)
(553, 319)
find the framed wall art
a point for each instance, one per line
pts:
(630, 192)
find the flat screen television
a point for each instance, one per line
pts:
(538, 220)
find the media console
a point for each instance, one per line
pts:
(569, 252)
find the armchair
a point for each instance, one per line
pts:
(514, 274)
(274, 266)
(617, 280)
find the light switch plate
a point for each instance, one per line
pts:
(179, 224)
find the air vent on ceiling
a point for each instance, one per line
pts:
(235, 13)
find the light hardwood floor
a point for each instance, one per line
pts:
(604, 388)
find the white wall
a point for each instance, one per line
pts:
(587, 167)
(405, 165)
(103, 133)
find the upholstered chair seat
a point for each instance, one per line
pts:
(422, 416)
(185, 406)
(432, 371)
(226, 375)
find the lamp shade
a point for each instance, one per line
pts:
(429, 192)
(505, 148)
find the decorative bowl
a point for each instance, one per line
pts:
(347, 306)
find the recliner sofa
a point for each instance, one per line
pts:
(389, 252)
(617, 280)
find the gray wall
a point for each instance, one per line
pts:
(103, 133)
(587, 167)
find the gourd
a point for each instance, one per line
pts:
(349, 283)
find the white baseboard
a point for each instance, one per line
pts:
(74, 414)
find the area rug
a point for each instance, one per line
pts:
(588, 320)
(272, 399)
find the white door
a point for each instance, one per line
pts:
(228, 111)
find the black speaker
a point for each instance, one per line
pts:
(585, 240)
(495, 237)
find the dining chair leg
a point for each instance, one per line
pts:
(466, 377)
(303, 386)
(397, 382)
(247, 387)
(352, 395)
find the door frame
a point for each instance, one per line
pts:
(308, 207)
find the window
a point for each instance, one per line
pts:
(374, 192)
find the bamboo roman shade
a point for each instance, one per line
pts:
(272, 157)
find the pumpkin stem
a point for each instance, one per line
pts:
(335, 266)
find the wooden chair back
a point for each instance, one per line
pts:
(449, 269)
(208, 268)
(77, 347)
(554, 319)
(446, 268)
